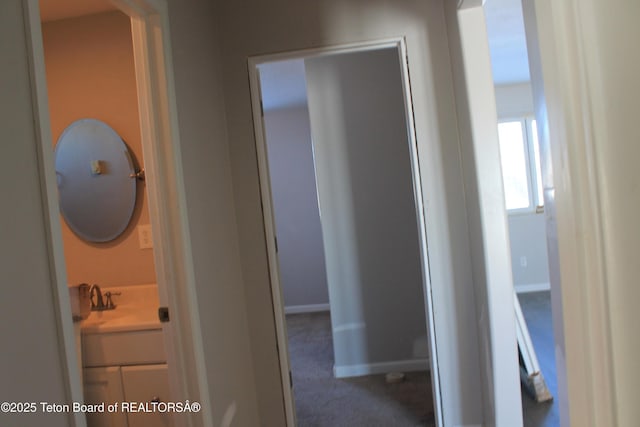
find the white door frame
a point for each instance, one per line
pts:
(269, 216)
(167, 205)
(573, 207)
(574, 210)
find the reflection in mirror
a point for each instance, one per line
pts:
(96, 180)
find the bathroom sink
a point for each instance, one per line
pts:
(122, 318)
(130, 334)
(136, 310)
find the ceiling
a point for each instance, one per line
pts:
(53, 10)
(283, 83)
(507, 41)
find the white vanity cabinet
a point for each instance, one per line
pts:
(147, 383)
(136, 384)
(126, 366)
(104, 385)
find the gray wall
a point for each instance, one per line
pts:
(295, 202)
(527, 231)
(529, 257)
(255, 27)
(210, 210)
(32, 368)
(368, 213)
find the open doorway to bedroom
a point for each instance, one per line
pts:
(522, 169)
(346, 242)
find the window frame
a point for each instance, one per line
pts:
(536, 203)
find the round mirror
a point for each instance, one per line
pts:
(96, 180)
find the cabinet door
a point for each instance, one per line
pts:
(104, 385)
(146, 383)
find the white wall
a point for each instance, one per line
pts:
(514, 100)
(32, 368)
(527, 231)
(254, 28)
(588, 85)
(614, 62)
(295, 202)
(593, 112)
(368, 211)
(529, 255)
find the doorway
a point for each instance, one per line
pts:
(169, 262)
(362, 217)
(510, 38)
(91, 79)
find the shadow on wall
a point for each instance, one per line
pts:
(369, 223)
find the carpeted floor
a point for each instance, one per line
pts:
(324, 401)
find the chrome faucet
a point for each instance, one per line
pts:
(98, 304)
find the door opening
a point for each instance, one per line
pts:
(351, 139)
(511, 28)
(150, 70)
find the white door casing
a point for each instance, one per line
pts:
(268, 214)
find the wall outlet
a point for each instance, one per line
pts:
(144, 236)
(523, 261)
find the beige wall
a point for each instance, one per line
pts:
(90, 74)
(255, 27)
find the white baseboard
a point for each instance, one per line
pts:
(309, 308)
(346, 371)
(532, 287)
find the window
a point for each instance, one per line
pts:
(521, 171)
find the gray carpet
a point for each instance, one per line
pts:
(324, 401)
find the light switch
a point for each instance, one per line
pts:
(144, 236)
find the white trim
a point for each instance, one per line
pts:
(421, 216)
(255, 61)
(272, 253)
(580, 284)
(349, 327)
(268, 211)
(346, 371)
(532, 287)
(308, 308)
(167, 204)
(49, 191)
